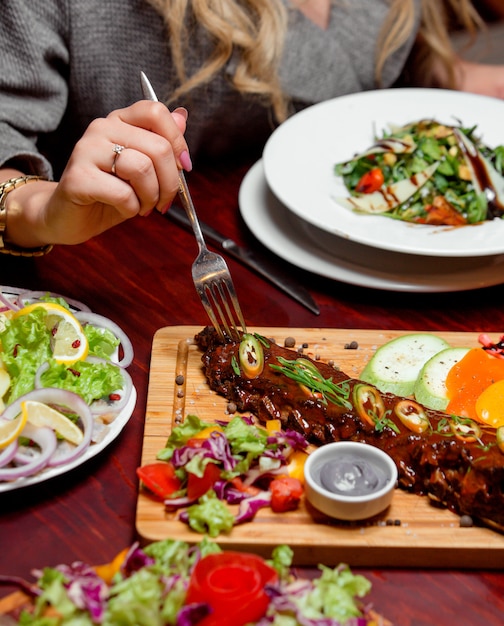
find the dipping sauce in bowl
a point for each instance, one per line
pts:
(349, 480)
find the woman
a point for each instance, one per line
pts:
(70, 91)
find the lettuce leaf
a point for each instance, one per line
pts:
(26, 345)
(210, 516)
(150, 589)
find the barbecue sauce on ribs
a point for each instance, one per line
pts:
(466, 477)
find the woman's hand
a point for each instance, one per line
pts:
(91, 197)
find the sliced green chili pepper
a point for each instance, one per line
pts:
(465, 430)
(368, 403)
(251, 356)
(412, 415)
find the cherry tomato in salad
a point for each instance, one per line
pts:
(159, 478)
(194, 442)
(286, 493)
(197, 486)
(238, 483)
(232, 584)
(370, 181)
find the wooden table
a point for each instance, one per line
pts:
(139, 275)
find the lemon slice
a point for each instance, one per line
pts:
(5, 382)
(40, 414)
(69, 343)
(11, 429)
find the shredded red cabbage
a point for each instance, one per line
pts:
(86, 589)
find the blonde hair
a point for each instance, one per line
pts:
(257, 29)
(431, 62)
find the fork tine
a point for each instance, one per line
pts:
(229, 320)
(217, 296)
(236, 306)
(202, 292)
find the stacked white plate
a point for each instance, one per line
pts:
(288, 198)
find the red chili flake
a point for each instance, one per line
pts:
(76, 344)
(54, 330)
(114, 397)
(74, 372)
(15, 351)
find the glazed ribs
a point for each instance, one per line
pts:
(455, 465)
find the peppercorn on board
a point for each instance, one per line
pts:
(412, 532)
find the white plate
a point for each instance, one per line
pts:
(300, 155)
(112, 432)
(317, 251)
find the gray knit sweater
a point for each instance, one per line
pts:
(65, 62)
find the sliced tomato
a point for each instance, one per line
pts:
(286, 493)
(195, 442)
(159, 478)
(197, 486)
(238, 483)
(232, 585)
(370, 181)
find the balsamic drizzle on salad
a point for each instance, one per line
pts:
(427, 172)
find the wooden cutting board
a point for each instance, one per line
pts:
(412, 532)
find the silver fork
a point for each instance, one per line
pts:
(210, 272)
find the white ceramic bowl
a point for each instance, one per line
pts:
(341, 504)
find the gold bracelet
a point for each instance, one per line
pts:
(9, 248)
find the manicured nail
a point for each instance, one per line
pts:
(166, 208)
(185, 161)
(182, 112)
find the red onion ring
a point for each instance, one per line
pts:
(42, 368)
(48, 443)
(99, 407)
(8, 453)
(28, 297)
(8, 305)
(87, 317)
(62, 397)
(23, 458)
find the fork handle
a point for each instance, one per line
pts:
(187, 202)
(185, 195)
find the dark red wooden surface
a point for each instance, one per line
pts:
(139, 275)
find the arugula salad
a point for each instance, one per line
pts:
(62, 381)
(171, 583)
(426, 172)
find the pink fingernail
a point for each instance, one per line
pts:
(185, 161)
(182, 111)
(166, 208)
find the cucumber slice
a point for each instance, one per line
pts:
(430, 387)
(395, 366)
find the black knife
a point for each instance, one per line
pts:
(261, 266)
